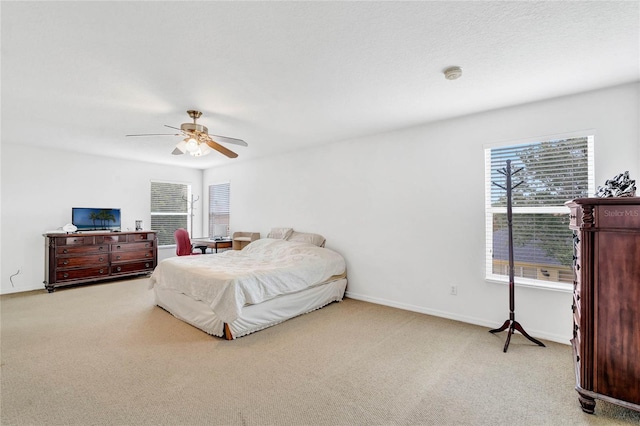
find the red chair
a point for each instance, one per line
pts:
(183, 243)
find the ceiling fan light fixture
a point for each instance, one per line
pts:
(181, 148)
(196, 139)
(191, 144)
(202, 149)
(205, 149)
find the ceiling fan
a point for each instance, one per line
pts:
(197, 140)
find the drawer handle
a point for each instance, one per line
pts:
(118, 269)
(147, 255)
(118, 247)
(101, 259)
(101, 248)
(146, 265)
(66, 262)
(65, 275)
(118, 257)
(146, 245)
(65, 251)
(102, 271)
(577, 266)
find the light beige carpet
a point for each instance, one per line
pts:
(105, 355)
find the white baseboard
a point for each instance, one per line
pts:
(453, 316)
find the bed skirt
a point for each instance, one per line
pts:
(253, 317)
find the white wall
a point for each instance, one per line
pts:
(406, 209)
(40, 186)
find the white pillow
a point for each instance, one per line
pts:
(280, 233)
(305, 237)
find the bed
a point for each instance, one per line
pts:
(237, 292)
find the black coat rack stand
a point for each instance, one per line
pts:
(511, 323)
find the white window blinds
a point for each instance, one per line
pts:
(169, 209)
(551, 173)
(219, 210)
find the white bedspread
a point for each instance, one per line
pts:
(264, 269)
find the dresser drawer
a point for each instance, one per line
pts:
(75, 240)
(82, 249)
(142, 236)
(115, 238)
(131, 246)
(82, 273)
(126, 256)
(124, 268)
(77, 261)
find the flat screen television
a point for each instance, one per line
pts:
(94, 219)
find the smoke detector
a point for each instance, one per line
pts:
(453, 73)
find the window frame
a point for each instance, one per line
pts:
(187, 214)
(490, 210)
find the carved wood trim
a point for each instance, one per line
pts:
(588, 219)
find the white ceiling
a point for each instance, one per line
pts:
(79, 76)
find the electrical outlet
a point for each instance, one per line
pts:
(454, 290)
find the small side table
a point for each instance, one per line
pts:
(242, 239)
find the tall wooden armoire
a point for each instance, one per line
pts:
(606, 300)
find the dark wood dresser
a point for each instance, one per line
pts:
(93, 257)
(606, 300)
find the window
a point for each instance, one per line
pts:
(169, 209)
(552, 172)
(219, 210)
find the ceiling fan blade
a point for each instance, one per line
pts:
(156, 134)
(171, 127)
(221, 149)
(226, 139)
